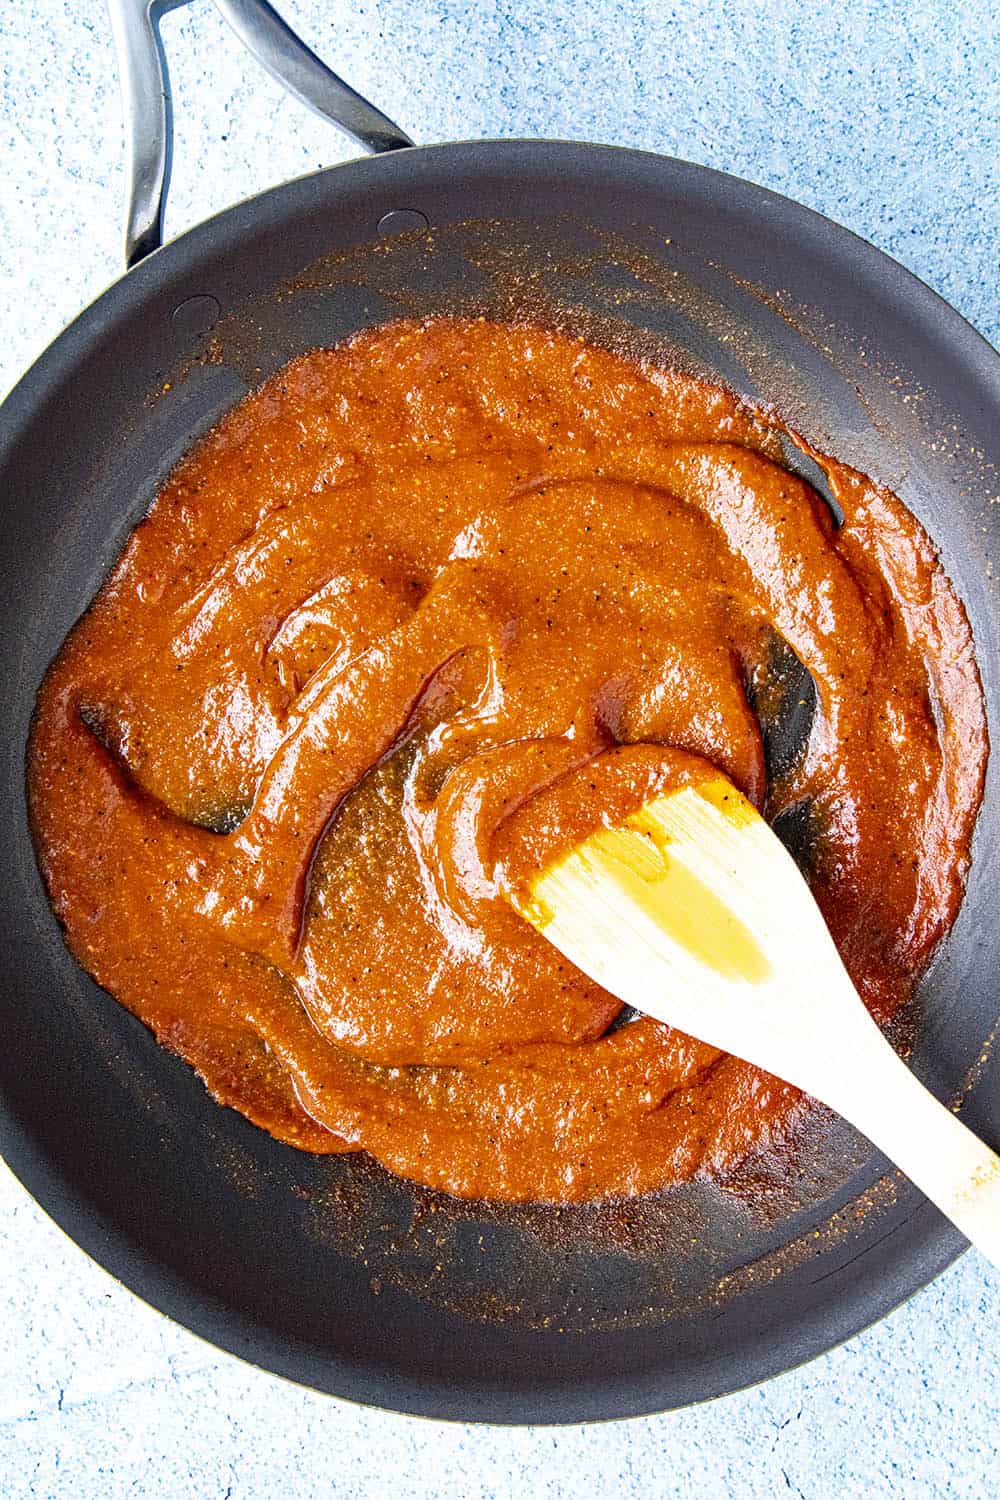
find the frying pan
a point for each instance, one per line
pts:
(330, 1271)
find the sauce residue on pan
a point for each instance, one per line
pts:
(449, 579)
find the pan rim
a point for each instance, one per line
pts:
(121, 1256)
(154, 266)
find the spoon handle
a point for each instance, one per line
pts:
(874, 1088)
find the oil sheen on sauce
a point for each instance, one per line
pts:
(423, 607)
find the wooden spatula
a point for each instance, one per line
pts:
(693, 912)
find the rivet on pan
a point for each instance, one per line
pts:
(399, 220)
(193, 316)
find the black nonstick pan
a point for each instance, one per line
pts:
(331, 1271)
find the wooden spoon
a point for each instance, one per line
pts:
(693, 912)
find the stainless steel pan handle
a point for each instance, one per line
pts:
(146, 100)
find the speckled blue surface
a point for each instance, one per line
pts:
(883, 116)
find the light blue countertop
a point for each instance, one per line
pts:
(885, 117)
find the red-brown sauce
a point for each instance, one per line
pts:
(410, 584)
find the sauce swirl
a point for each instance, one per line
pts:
(420, 606)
